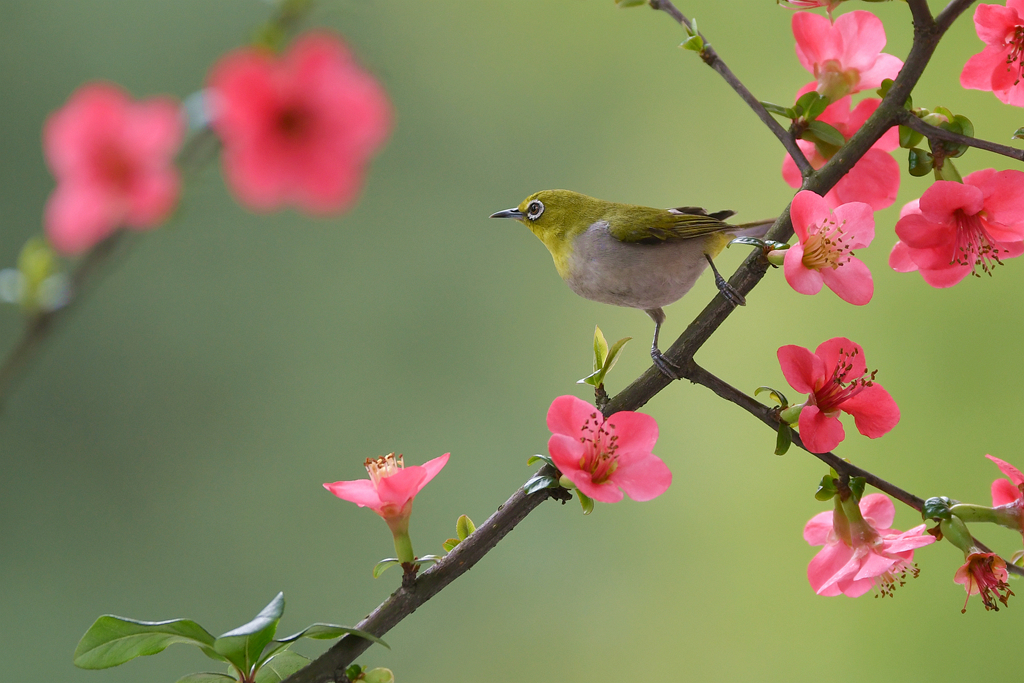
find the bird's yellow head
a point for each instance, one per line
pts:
(557, 217)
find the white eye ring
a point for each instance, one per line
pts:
(534, 209)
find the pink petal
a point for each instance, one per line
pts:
(858, 221)
(1009, 470)
(900, 259)
(873, 410)
(402, 486)
(875, 180)
(434, 466)
(854, 589)
(820, 434)
(637, 432)
(606, 492)
(816, 40)
(807, 209)
(79, 216)
(152, 199)
(863, 38)
(878, 510)
(566, 452)
(360, 491)
(918, 232)
(832, 350)
(801, 368)
(568, 414)
(843, 575)
(153, 130)
(945, 277)
(873, 565)
(816, 530)
(801, 278)
(944, 198)
(829, 560)
(886, 66)
(1004, 492)
(909, 541)
(94, 115)
(851, 282)
(1004, 199)
(979, 71)
(994, 22)
(642, 476)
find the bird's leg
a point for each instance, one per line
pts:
(730, 293)
(667, 367)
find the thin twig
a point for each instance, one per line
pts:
(931, 132)
(712, 59)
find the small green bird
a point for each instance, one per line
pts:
(630, 255)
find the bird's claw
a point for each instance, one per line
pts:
(667, 367)
(731, 294)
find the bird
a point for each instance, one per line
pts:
(629, 255)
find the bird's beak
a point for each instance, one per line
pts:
(509, 213)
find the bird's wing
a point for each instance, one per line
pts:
(663, 225)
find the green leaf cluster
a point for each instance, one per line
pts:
(463, 528)
(605, 358)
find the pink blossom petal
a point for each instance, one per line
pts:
(1004, 492)
(855, 588)
(817, 530)
(78, 217)
(979, 71)
(815, 39)
(808, 210)
(434, 466)
(844, 575)
(992, 21)
(360, 491)
(909, 541)
(642, 476)
(872, 566)
(820, 434)
(1009, 470)
(944, 198)
(801, 368)
(1004, 200)
(873, 410)
(900, 259)
(829, 560)
(918, 232)
(402, 486)
(152, 199)
(863, 38)
(801, 278)
(606, 492)
(637, 432)
(851, 282)
(833, 350)
(858, 222)
(878, 510)
(886, 66)
(566, 452)
(567, 415)
(945, 277)
(874, 180)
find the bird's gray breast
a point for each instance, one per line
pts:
(645, 276)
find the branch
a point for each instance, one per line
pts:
(712, 59)
(951, 13)
(908, 119)
(331, 665)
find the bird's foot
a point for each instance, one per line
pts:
(667, 367)
(731, 294)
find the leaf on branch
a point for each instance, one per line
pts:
(113, 640)
(1018, 134)
(206, 677)
(826, 489)
(779, 110)
(586, 502)
(450, 544)
(540, 458)
(280, 666)
(320, 631)
(774, 394)
(920, 162)
(819, 131)
(784, 440)
(243, 646)
(383, 566)
(464, 527)
(539, 482)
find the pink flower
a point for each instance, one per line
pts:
(845, 57)
(601, 456)
(824, 253)
(998, 67)
(861, 551)
(833, 376)
(984, 574)
(829, 5)
(300, 128)
(113, 161)
(1008, 497)
(391, 487)
(874, 179)
(957, 228)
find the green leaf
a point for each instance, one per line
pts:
(774, 394)
(586, 502)
(779, 110)
(936, 508)
(353, 671)
(825, 133)
(539, 482)
(826, 489)
(113, 640)
(280, 667)
(884, 90)
(379, 675)
(243, 646)
(600, 348)
(630, 3)
(540, 458)
(784, 440)
(857, 485)
(464, 527)
(693, 44)
(613, 355)
(593, 379)
(329, 632)
(1018, 134)
(450, 544)
(909, 137)
(748, 241)
(948, 172)
(920, 162)
(429, 558)
(966, 127)
(384, 565)
(207, 677)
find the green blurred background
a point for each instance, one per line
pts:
(164, 455)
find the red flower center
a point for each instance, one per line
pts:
(1015, 42)
(974, 246)
(383, 467)
(824, 247)
(987, 573)
(599, 446)
(840, 387)
(114, 167)
(294, 122)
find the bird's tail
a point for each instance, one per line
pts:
(754, 229)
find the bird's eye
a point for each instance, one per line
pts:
(534, 210)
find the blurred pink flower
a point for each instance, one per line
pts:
(300, 128)
(829, 5)
(391, 487)
(824, 252)
(874, 179)
(114, 164)
(984, 574)
(956, 228)
(861, 553)
(833, 378)
(601, 456)
(1009, 495)
(844, 57)
(998, 67)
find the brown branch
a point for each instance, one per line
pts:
(712, 59)
(909, 120)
